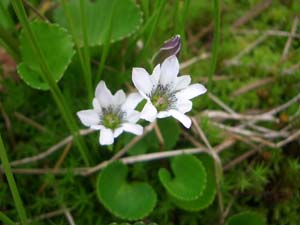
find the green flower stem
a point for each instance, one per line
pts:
(84, 55)
(13, 188)
(106, 44)
(156, 15)
(175, 13)
(181, 23)
(149, 25)
(216, 42)
(48, 78)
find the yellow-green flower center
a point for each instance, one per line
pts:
(160, 102)
(162, 98)
(111, 120)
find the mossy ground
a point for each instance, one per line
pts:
(268, 182)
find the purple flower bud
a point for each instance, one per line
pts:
(170, 47)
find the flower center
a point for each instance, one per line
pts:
(162, 98)
(112, 118)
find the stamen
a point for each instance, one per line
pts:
(112, 117)
(163, 98)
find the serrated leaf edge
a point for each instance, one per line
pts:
(67, 64)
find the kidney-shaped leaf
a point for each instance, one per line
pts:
(57, 47)
(247, 218)
(130, 201)
(125, 21)
(189, 178)
(209, 192)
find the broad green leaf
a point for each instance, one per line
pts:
(139, 148)
(209, 192)
(127, 201)
(5, 3)
(170, 131)
(189, 178)
(247, 218)
(126, 20)
(57, 48)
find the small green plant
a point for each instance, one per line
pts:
(51, 38)
(130, 201)
(189, 178)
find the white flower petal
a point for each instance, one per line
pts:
(184, 105)
(191, 91)
(96, 106)
(142, 81)
(163, 114)
(88, 117)
(185, 120)
(97, 127)
(133, 116)
(118, 131)
(169, 70)
(149, 112)
(103, 95)
(155, 75)
(119, 98)
(106, 137)
(133, 128)
(182, 82)
(131, 102)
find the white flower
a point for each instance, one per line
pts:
(112, 114)
(166, 93)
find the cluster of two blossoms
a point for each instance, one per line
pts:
(166, 93)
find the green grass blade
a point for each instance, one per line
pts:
(84, 55)
(176, 18)
(146, 8)
(48, 78)
(159, 7)
(106, 44)
(217, 25)
(12, 185)
(182, 24)
(86, 51)
(6, 20)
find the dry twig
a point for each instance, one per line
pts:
(218, 167)
(29, 121)
(290, 39)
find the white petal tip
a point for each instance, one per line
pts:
(106, 137)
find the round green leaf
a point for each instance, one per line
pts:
(209, 192)
(126, 20)
(127, 201)
(57, 48)
(190, 178)
(247, 218)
